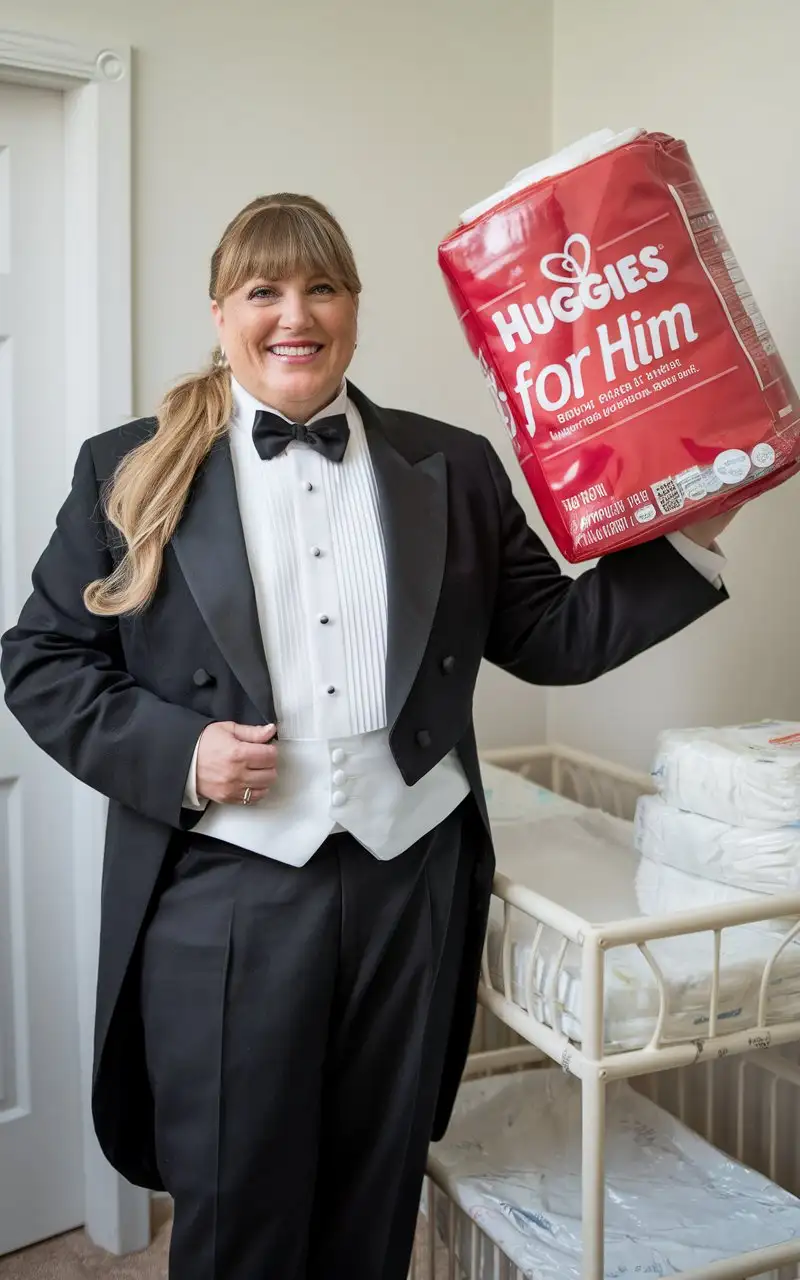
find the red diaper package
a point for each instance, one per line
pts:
(623, 348)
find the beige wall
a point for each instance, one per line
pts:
(723, 75)
(396, 114)
(399, 115)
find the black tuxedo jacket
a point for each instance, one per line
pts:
(120, 703)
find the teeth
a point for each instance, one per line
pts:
(294, 351)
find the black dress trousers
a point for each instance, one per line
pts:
(296, 1022)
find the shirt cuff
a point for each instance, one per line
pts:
(191, 799)
(709, 561)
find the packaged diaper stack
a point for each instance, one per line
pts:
(725, 824)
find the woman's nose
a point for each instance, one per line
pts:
(296, 312)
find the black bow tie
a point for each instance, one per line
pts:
(329, 436)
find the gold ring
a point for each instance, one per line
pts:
(246, 797)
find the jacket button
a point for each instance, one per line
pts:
(423, 738)
(202, 678)
(448, 664)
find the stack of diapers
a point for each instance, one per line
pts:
(725, 824)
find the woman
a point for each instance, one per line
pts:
(257, 630)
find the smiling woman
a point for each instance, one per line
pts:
(286, 320)
(289, 342)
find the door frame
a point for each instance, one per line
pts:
(96, 83)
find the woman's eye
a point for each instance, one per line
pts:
(266, 293)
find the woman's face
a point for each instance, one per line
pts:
(289, 342)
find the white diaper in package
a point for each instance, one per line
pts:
(666, 891)
(766, 861)
(745, 775)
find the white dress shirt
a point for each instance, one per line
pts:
(709, 561)
(315, 548)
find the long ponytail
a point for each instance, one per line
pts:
(151, 484)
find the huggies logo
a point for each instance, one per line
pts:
(580, 290)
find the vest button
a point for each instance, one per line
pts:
(448, 664)
(423, 738)
(202, 678)
(337, 799)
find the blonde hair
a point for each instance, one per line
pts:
(272, 238)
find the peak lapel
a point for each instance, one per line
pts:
(413, 506)
(210, 548)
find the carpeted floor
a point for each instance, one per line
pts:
(72, 1257)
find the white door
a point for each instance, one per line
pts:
(41, 1157)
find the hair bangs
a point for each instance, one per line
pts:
(280, 241)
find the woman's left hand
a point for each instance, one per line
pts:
(706, 532)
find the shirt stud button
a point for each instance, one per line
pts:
(316, 551)
(308, 486)
(324, 619)
(331, 688)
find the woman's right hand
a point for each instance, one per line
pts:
(232, 757)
